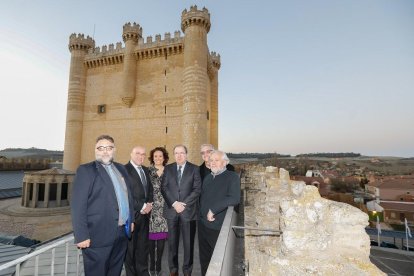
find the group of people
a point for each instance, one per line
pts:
(123, 214)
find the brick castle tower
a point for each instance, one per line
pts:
(150, 93)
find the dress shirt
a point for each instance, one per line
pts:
(138, 168)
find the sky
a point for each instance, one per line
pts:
(297, 76)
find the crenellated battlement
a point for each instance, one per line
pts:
(131, 32)
(105, 55)
(79, 42)
(215, 59)
(160, 47)
(149, 48)
(149, 42)
(195, 17)
(213, 64)
(160, 51)
(106, 49)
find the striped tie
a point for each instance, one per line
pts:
(179, 175)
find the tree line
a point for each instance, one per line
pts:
(256, 155)
(330, 154)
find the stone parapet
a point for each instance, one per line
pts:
(318, 236)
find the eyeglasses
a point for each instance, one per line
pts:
(107, 148)
(205, 152)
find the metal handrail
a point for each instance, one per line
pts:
(35, 254)
(272, 231)
(221, 262)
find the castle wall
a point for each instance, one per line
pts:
(157, 106)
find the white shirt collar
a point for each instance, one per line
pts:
(182, 166)
(135, 165)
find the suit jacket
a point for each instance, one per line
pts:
(138, 193)
(188, 191)
(94, 205)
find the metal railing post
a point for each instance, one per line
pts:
(77, 262)
(18, 269)
(66, 258)
(36, 265)
(52, 265)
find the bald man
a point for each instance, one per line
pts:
(136, 261)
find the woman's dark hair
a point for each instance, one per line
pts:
(164, 153)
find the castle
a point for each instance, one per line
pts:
(158, 92)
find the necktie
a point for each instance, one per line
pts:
(121, 196)
(179, 175)
(143, 179)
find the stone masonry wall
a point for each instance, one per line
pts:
(319, 236)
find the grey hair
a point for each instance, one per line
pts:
(181, 146)
(223, 155)
(207, 145)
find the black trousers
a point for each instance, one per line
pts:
(155, 253)
(207, 239)
(136, 261)
(187, 229)
(106, 261)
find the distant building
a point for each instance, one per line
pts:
(395, 194)
(47, 189)
(399, 188)
(396, 212)
(313, 173)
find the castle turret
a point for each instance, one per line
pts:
(131, 34)
(195, 24)
(215, 66)
(78, 46)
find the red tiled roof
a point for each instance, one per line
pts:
(396, 183)
(398, 206)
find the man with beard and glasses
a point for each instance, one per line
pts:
(101, 209)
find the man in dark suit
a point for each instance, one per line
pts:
(205, 151)
(181, 187)
(136, 262)
(101, 211)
